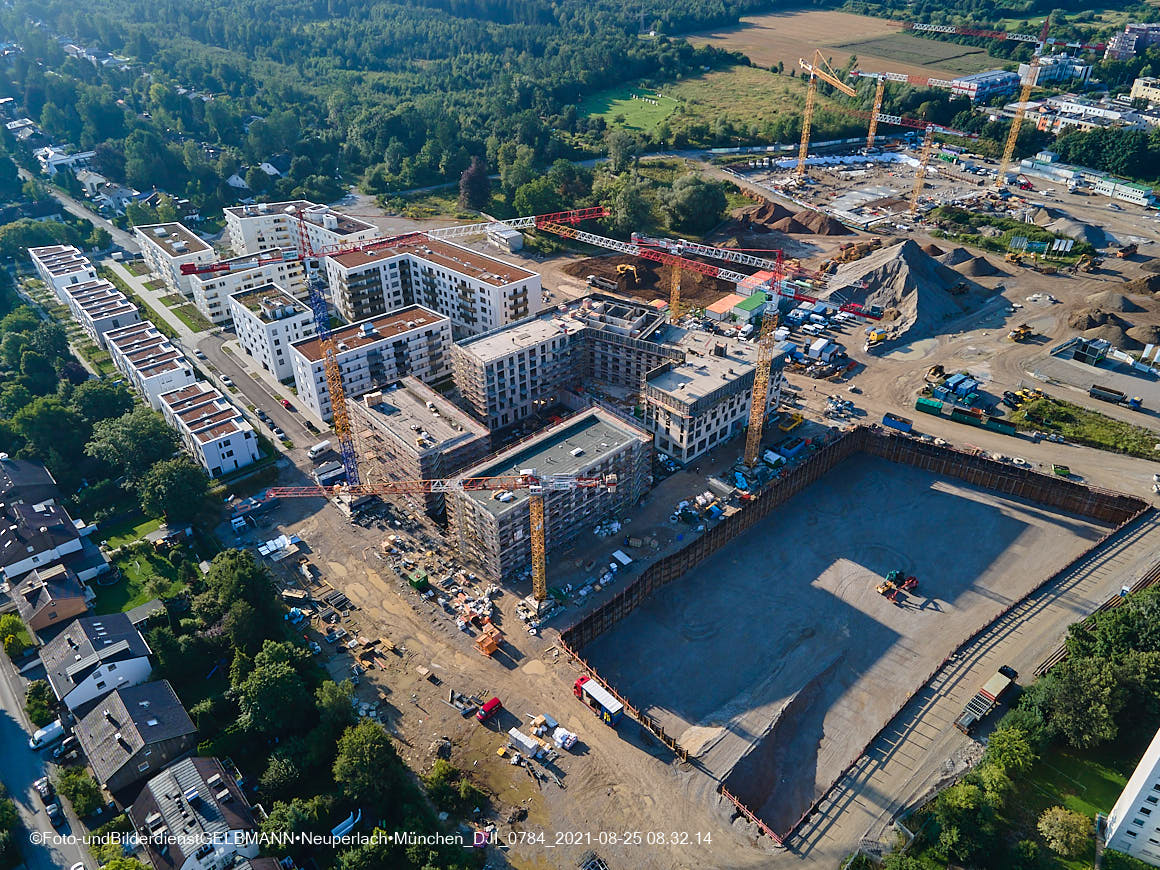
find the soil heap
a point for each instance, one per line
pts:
(955, 257)
(913, 289)
(979, 267)
(1109, 300)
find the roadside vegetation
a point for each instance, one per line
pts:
(1085, 426)
(993, 232)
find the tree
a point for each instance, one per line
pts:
(538, 196)
(281, 777)
(132, 443)
(174, 488)
(1066, 832)
(622, 147)
(40, 703)
(243, 627)
(47, 424)
(81, 790)
(335, 710)
(100, 400)
(628, 206)
(272, 697)
(902, 862)
(13, 397)
(367, 767)
(1009, 749)
(38, 374)
(474, 185)
(693, 203)
(1084, 700)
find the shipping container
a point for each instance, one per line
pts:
(902, 424)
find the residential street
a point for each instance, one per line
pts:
(73, 206)
(19, 768)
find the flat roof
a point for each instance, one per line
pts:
(594, 432)
(169, 236)
(346, 223)
(725, 304)
(385, 326)
(398, 407)
(518, 336)
(263, 301)
(753, 302)
(703, 372)
(445, 255)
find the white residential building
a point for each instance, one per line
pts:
(92, 657)
(1146, 88)
(211, 428)
(984, 85)
(212, 290)
(1133, 825)
(61, 266)
(53, 159)
(477, 292)
(267, 321)
(412, 341)
(253, 228)
(149, 361)
(99, 307)
(1057, 68)
(167, 247)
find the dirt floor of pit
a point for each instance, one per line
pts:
(697, 290)
(775, 661)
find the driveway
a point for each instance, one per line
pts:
(19, 768)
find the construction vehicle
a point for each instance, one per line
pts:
(1014, 258)
(819, 69)
(1061, 471)
(1127, 251)
(1022, 332)
(986, 699)
(1023, 183)
(1116, 397)
(935, 373)
(600, 283)
(623, 270)
(901, 581)
(1087, 263)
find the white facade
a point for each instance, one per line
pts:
(1133, 825)
(211, 428)
(983, 85)
(106, 678)
(253, 228)
(267, 321)
(477, 292)
(1146, 88)
(149, 361)
(52, 159)
(413, 341)
(212, 291)
(166, 248)
(61, 266)
(99, 307)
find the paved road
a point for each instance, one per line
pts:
(78, 208)
(19, 767)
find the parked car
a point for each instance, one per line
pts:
(44, 788)
(286, 404)
(278, 433)
(489, 709)
(199, 354)
(227, 381)
(261, 415)
(67, 748)
(55, 814)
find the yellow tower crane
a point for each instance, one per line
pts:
(818, 69)
(920, 173)
(761, 374)
(879, 95)
(1021, 107)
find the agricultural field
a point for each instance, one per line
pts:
(644, 113)
(784, 37)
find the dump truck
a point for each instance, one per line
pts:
(986, 699)
(1020, 332)
(1127, 251)
(1116, 397)
(602, 283)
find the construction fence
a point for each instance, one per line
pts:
(1105, 506)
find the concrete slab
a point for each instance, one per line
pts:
(776, 661)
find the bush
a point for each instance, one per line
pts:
(103, 848)
(81, 790)
(451, 790)
(40, 703)
(1113, 860)
(12, 634)
(1066, 832)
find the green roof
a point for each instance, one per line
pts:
(752, 303)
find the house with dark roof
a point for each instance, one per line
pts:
(93, 656)
(35, 536)
(24, 481)
(49, 597)
(134, 733)
(193, 816)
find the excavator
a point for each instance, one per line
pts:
(623, 270)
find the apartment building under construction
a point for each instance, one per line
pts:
(491, 529)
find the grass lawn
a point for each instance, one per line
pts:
(191, 317)
(128, 531)
(133, 589)
(135, 267)
(441, 203)
(921, 51)
(151, 313)
(633, 108)
(155, 284)
(172, 300)
(96, 357)
(1085, 426)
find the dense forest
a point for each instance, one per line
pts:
(404, 94)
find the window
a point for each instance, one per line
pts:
(1145, 811)
(113, 667)
(1139, 823)
(101, 685)
(1131, 834)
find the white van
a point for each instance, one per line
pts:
(319, 449)
(46, 736)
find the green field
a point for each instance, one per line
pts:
(619, 108)
(908, 49)
(128, 531)
(144, 576)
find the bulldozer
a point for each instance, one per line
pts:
(935, 373)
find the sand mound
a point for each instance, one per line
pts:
(912, 287)
(979, 267)
(821, 224)
(933, 249)
(1081, 232)
(1114, 334)
(1150, 284)
(767, 212)
(1043, 216)
(1144, 334)
(1152, 265)
(1090, 318)
(790, 225)
(1109, 300)
(956, 256)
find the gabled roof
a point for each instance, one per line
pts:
(24, 481)
(26, 529)
(45, 587)
(87, 643)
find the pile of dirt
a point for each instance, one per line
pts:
(1151, 284)
(1079, 231)
(1109, 300)
(1152, 265)
(1043, 216)
(979, 267)
(1090, 318)
(790, 225)
(956, 256)
(652, 281)
(766, 213)
(1145, 334)
(1115, 335)
(916, 291)
(934, 250)
(821, 224)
